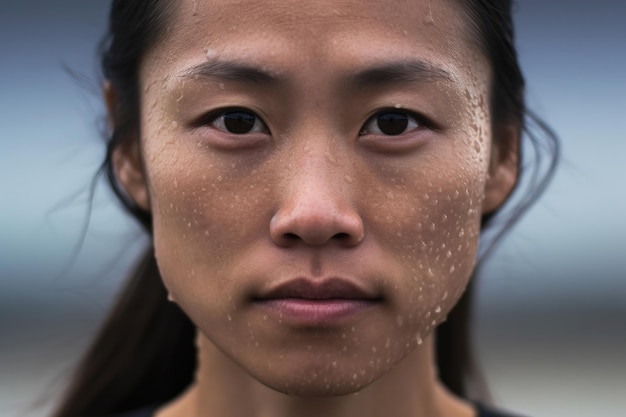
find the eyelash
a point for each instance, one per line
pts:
(415, 119)
(216, 119)
(257, 125)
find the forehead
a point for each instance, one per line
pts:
(329, 35)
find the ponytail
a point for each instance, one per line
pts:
(143, 355)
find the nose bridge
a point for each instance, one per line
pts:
(316, 206)
(316, 173)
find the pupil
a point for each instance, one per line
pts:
(239, 122)
(392, 123)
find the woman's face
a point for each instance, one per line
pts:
(316, 173)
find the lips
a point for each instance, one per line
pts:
(323, 289)
(304, 301)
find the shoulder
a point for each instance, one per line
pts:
(143, 412)
(482, 412)
(491, 412)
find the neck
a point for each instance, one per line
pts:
(222, 388)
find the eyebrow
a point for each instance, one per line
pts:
(230, 71)
(401, 71)
(375, 76)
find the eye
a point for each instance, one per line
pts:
(390, 123)
(238, 122)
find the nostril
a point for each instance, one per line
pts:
(291, 236)
(316, 223)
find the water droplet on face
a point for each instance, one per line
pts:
(445, 295)
(229, 317)
(399, 321)
(433, 226)
(331, 158)
(452, 269)
(418, 339)
(438, 309)
(448, 254)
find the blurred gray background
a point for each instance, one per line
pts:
(551, 321)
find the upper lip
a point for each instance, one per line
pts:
(318, 289)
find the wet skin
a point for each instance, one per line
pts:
(340, 150)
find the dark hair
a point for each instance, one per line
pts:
(129, 362)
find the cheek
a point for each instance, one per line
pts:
(428, 218)
(206, 213)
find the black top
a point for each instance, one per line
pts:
(482, 412)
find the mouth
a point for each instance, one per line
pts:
(318, 302)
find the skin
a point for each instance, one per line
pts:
(316, 191)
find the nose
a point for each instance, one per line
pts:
(316, 209)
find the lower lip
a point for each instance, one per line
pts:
(316, 312)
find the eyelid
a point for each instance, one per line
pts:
(208, 118)
(422, 121)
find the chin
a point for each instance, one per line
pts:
(322, 387)
(319, 381)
